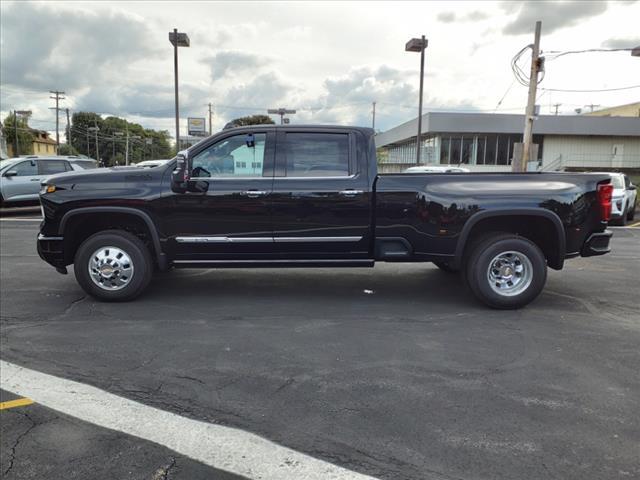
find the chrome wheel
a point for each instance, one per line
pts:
(110, 268)
(510, 273)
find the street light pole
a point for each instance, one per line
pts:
(175, 80)
(282, 112)
(418, 45)
(177, 40)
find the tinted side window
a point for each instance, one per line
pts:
(49, 167)
(231, 157)
(25, 169)
(317, 154)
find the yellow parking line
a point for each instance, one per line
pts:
(637, 224)
(19, 402)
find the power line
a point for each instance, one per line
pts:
(505, 95)
(591, 91)
(554, 54)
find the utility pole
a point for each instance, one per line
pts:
(57, 98)
(68, 134)
(556, 105)
(210, 115)
(117, 134)
(126, 145)
(15, 136)
(22, 113)
(95, 129)
(521, 165)
(373, 116)
(592, 106)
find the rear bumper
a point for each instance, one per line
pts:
(597, 244)
(51, 250)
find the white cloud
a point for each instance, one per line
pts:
(329, 61)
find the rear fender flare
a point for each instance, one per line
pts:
(531, 212)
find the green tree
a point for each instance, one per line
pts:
(143, 144)
(66, 149)
(25, 136)
(83, 139)
(251, 120)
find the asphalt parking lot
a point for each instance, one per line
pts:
(393, 372)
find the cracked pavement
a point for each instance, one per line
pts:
(413, 381)
(38, 442)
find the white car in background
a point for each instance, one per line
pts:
(152, 163)
(20, 177)
(436, 169)
(625, 195)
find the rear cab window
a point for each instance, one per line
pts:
(308, 154)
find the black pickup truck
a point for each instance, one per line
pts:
(309, 196)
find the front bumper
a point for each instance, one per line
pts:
(51, 250)
(597, 244)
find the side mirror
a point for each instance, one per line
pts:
(180, 176)
(633, 187)
(10, 173)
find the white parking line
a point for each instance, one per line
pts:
(17, 219)
(224, 448)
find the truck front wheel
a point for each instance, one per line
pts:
(113, 265)
(506, 271)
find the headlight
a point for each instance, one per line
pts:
(47, 189)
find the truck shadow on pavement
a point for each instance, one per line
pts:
(392, 285)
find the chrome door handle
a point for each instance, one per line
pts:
(253, 193)
(350, 192)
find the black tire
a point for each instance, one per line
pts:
(133, 247)
(632, 213)
(622, 221)
(489, 248)
(446, 267)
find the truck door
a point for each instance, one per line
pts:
(321, 201)
(225, 214)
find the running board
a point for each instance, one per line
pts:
(272, 263)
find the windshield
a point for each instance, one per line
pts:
(6, 163)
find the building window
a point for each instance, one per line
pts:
(466, 150)
(445, 149)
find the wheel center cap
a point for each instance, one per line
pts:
(507, 271)
(106, 270)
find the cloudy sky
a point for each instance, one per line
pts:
(328, 60)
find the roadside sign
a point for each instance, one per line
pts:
(196, 127)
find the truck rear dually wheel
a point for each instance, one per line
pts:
(113, 265)
(506, 271)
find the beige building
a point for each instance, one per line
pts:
(628, 110)
(42, 144)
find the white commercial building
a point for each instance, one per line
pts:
(484, 142)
